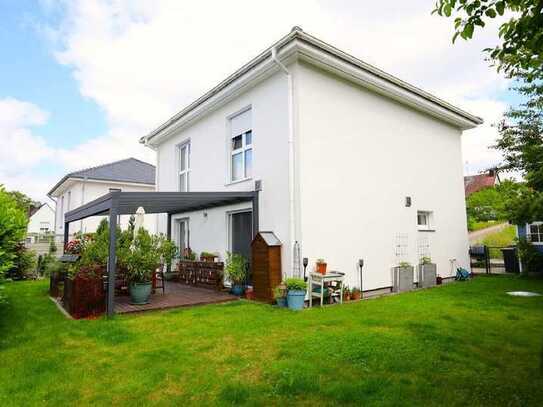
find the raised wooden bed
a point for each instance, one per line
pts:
(84, 294)
(200, 273)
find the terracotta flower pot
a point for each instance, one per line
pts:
(355, 295)
(321, 268)
(346, 296)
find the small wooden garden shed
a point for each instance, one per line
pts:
(265, 265)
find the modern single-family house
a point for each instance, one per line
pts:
(350, 163)
(80, 187)
(41, 220)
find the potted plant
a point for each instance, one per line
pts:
(321, 266)
(280, 295)
(141, 262)
(346, 293)
(208, 256)
(235, 270)
(355, 294)
(426, 272)
(296, 290)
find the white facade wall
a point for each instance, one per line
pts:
(209, 164)
(42, 217)
(81, 192)
(359, 156)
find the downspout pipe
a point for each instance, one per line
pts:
(291, 155)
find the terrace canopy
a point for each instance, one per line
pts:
(118, 203)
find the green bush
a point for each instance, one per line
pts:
(296, 284)
(530, 257)
(13, 221)
(24, 265)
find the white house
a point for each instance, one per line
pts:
(352, 163)
(41, 220)
(80, 187)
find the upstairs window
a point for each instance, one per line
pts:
(184, 166)
(535, 232)
(241, 147)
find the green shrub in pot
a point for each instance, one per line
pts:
(142, 259)
(296, 290)
(235, 270)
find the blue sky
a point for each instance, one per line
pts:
(81, 81)
(34, 75)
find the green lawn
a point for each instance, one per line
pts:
(504, 237)
(461, 344)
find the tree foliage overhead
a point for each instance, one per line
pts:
(521, 50)
(521, 143)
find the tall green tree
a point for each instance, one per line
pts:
(521, 48)
(23, 201)
(521, 142)
(13, 222)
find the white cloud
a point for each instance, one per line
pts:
(22, 151)
(143, 61)
(477, 153)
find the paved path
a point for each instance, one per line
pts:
(479, 235)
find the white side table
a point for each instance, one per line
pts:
(318, 279)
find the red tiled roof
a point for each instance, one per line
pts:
(474, 183)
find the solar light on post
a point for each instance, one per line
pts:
(361, 265)
(305, 262)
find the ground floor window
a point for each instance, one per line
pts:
(240, 233)
(534, 232)
(183, 235)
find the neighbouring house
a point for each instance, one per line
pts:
(533, 232)
(41, 223)
(351, 163)
(80, 187)
(475, 183)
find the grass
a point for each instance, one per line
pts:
(474, 226)
(501, 238)
(460, 344)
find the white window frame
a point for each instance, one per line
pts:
(429, 220)
(244, 147)
(186, 171)
(540, 233)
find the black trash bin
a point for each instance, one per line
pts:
(510, 260)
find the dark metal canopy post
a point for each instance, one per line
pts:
(112, 259)
(66, 233)
(255, 214)
(169, 236)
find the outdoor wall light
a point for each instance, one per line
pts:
(205, 214)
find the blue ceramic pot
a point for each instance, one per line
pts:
(140, 293)
(237, 290)
(295, 299)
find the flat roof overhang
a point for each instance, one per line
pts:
(127, 203)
